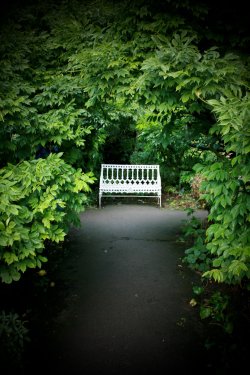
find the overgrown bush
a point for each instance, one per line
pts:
(226, 188)
(39, 200)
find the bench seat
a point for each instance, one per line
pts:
(119, 179)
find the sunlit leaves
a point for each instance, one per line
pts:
(215, 274)
(226, 189)
(42, 200)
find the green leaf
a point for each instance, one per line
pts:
(237, 267)
(198, 290)
(215, 274)
(10, 257)
(205, 312)
(6, 277)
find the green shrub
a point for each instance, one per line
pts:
(40, 199)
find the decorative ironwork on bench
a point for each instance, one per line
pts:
(116, 179)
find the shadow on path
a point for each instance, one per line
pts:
(127, 306)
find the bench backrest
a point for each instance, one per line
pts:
(130, 178)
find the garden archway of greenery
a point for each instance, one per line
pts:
(81, 78)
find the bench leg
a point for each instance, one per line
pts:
(100, 199)
(159, 201)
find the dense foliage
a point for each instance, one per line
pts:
(136, 82)
(39, 201)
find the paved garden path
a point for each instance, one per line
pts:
(127, 307)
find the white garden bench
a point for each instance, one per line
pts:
(117, 179)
